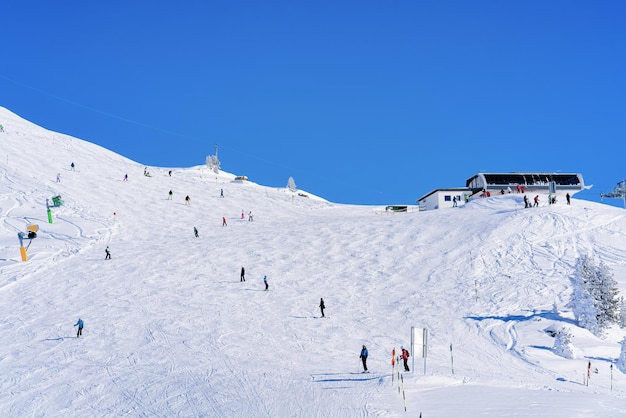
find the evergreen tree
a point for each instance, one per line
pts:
(581, 301)
(621, 361)
(594, 299)
(563, 344)
(607, 298)
(622, 312)
(213, 163)
(291, 185)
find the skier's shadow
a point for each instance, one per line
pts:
(562, 379)
(58, 339)
(541, 347)
(341, 377)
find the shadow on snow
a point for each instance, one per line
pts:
(540, 314)
(344, 377)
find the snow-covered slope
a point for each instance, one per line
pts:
(171, 331)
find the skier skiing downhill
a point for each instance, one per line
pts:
(80, 325)
(363, 358)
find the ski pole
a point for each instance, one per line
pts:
(476, 289)
(403, 395)
(611, 378)
(451, 359)
(398, 380)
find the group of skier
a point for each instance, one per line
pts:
(551, 200)
(404, 355)
(527, 203)
(242, 278)
(364, 352)
(80, 322)
(72, 168)
(224, 222)
(187, 202)
(187, 198)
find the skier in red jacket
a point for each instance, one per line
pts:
(405, 358)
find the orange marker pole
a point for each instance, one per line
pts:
(393, 364)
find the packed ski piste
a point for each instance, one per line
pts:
(152, 291)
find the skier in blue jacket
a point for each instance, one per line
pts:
(363, 357)
(80, 324)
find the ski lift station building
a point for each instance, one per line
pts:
(443, 198)
(533, 182)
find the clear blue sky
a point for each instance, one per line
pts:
(363, 102)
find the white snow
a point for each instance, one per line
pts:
(171, 331)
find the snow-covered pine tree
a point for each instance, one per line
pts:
(607, 300)
(581, 301)
(291, 185)
(594, 299)
(563, 344)
(621, 361)
(213, 163)
(622, 312)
